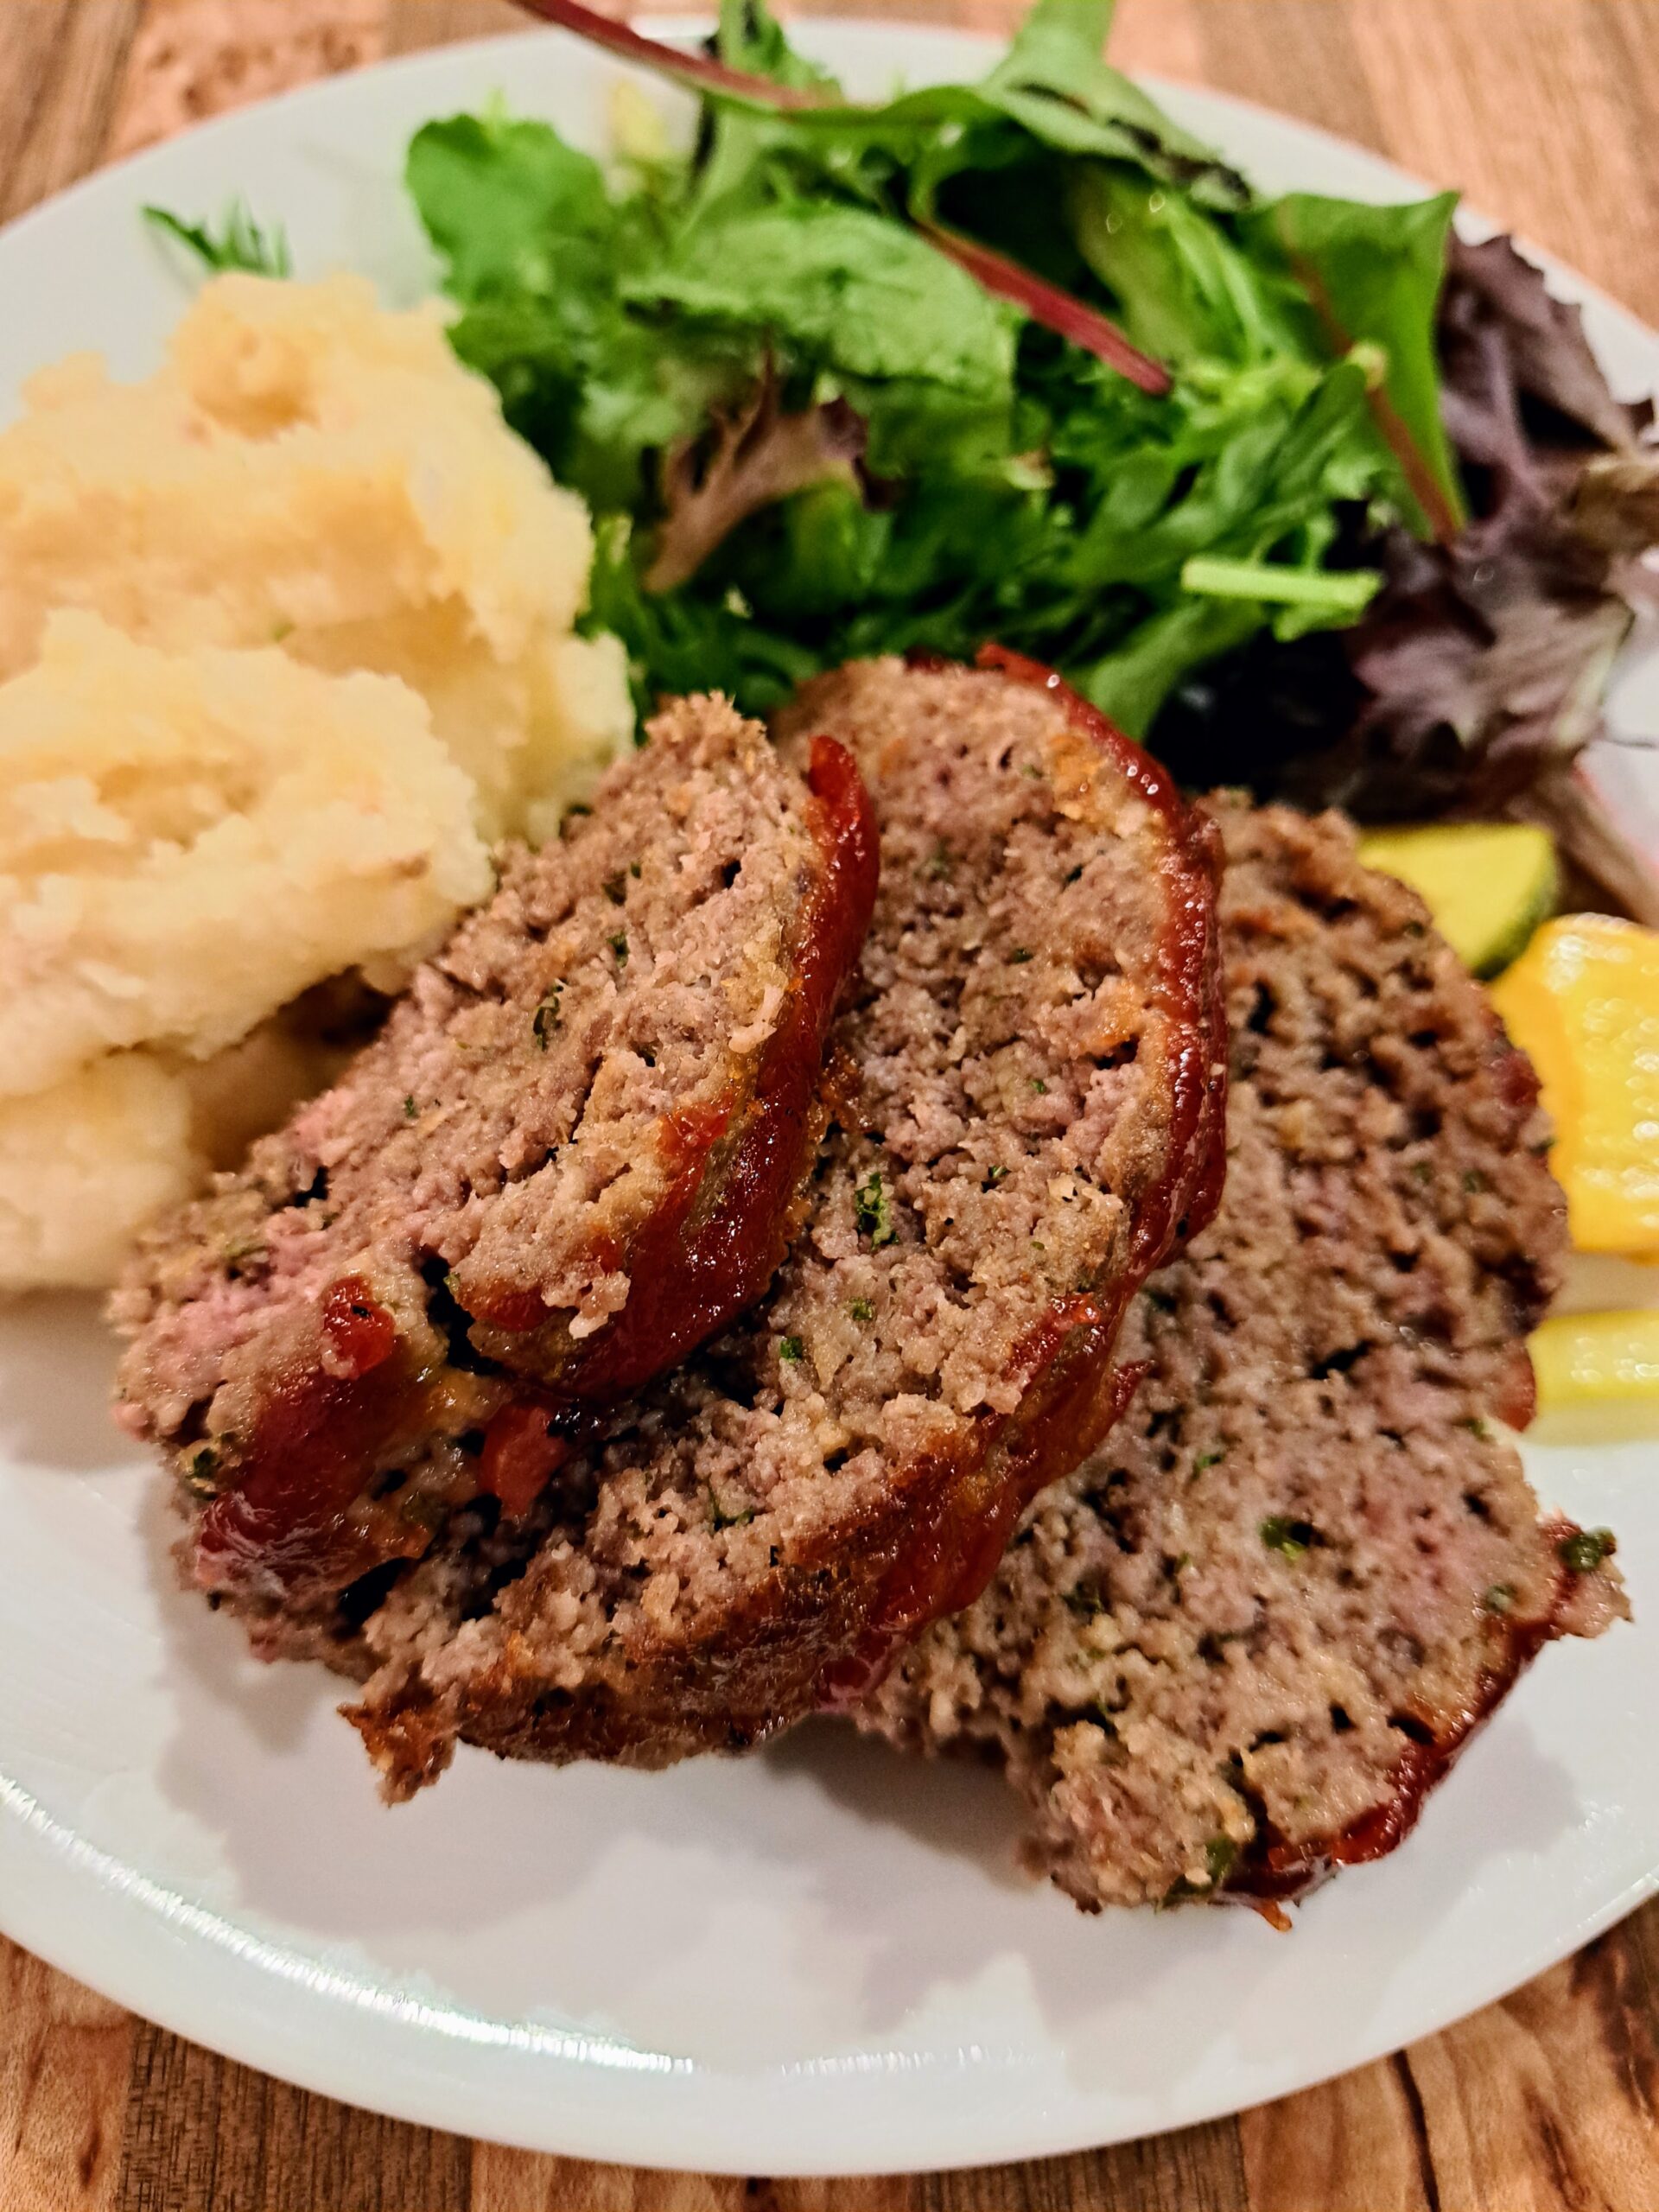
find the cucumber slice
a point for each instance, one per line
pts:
(1487, 884)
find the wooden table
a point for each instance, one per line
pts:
(1547, 111)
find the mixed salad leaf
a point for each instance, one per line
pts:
(1313, 495)
(811, 430)
(1475, 676)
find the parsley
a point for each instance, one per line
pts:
(1474, 1180)
(241, 242)
(872, 1211)
(410, 1109)
(619, 945)
(862, 1309)
(1219, 1853)
(940, 866)
(1423, 1171)
(1019, 956)
(1292, 1538)
(995, 1175)
(199, 1475)
(546, 1019)
(719, 1520)
(633, 869)
(616, 889)
(1500, 1598)
(1038, 1085)
(792, 1349)
(1209, 1460)
(1583, 1552)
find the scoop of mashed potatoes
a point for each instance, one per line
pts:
(85, 1164)
(311, 471)
(287, 638)
(189, 840)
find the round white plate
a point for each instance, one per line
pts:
(817, 1960)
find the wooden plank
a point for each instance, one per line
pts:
(60, 78)
(1298, 56)
(196, 58)
(1551, 2098)
(1195, 2170)
(203, 2135)
(517, 2180)
(64, 2056)
(1355, 2145)
(1526, 110)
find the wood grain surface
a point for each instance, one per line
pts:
(1546, 112)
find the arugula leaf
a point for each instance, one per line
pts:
(1360, 275)
(1055, 80)
(861, 293)
(511, 208)
(750, 37)
(1183, 287)
(241, 243)
(808, 436)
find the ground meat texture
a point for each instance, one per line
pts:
(1238, 1646)
(1027, 1102)
(575, 1150)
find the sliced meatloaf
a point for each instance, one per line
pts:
(574, 1152)
(1027, 1097)
(1238, 1646)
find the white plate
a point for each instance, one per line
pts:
(818, 1961)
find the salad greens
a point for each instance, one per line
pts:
(1312, 493)
(809, 433)
(240, 244)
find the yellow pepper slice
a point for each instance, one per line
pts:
(1599, 1373)
(1583, 1003)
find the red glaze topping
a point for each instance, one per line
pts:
(302, 1464)
(738, 1164)
(957, 1535)
(520, 1453)
(1276, 1868)
(359, 1332)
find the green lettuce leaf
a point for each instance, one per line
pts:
(856, 290)
(1355, 274)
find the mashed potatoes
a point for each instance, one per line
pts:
(85, 1164)
(310, 471)
(189, 840)
(286, 639)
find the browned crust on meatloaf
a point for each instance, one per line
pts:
(1238, 1646)
(1030, 1088)
(574, 1152)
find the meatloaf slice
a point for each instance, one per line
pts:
(1236, 1647)
(1027, 1096)
(574, 1152)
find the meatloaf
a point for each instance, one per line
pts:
(1026, 1099)
(1238, 1646)
(575, 1151)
